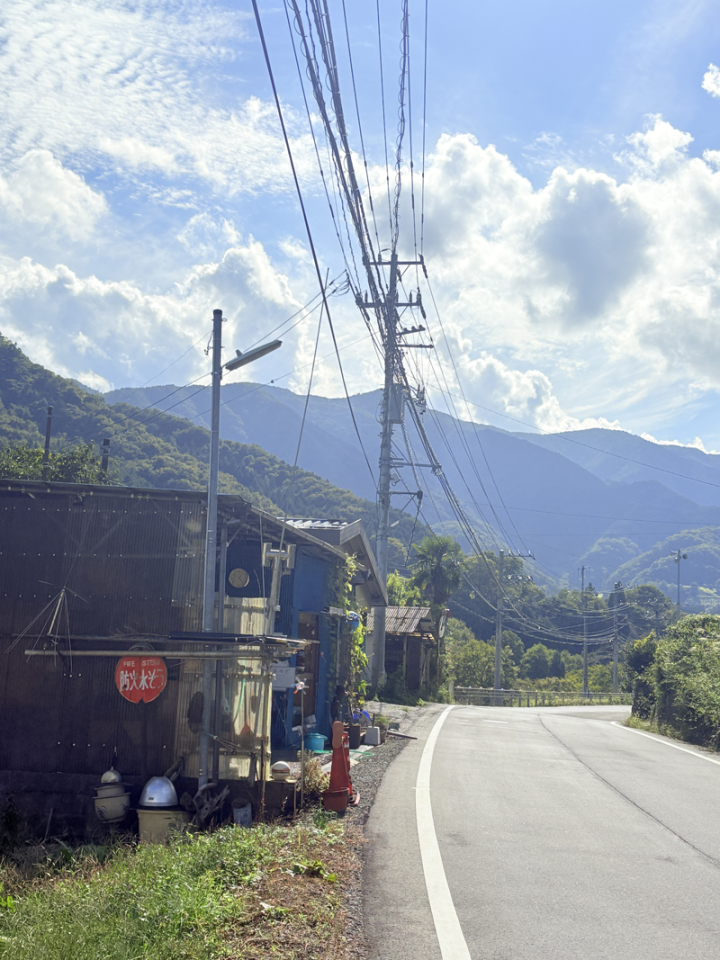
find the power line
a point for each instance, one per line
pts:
(304, 213)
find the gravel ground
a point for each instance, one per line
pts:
(366, 776)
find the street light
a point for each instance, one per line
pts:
(678, 557)
(211, 532)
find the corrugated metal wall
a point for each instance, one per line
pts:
(55, 719)
(136, 561)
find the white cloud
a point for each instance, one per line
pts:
(100, 331)
(130, 88)
(524, 396)
(696, 444)
(40, 191)
(711, 81)
(608, 287)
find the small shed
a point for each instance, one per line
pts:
(410, 636)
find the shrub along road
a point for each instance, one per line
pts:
(560, 834)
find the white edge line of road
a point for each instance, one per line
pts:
(447, 926)
(675, 746)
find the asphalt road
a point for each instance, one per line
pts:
(561, 834)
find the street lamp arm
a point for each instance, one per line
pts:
(243, 358)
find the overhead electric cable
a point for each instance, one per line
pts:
(304, 214)
(424, 128)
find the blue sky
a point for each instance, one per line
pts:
(572, 199)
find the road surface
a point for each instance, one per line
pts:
(526, 834)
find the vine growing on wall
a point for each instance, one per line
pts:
(340, 594)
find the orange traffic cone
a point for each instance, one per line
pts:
(338, 794)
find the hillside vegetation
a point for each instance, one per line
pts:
(153, 449)
(599, 498)
(676, 680)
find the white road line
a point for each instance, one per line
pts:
(447, 926)
(675, 746)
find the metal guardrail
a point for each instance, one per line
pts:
(487, 697)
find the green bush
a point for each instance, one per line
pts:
(687, 679)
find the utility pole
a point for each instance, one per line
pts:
(585, 689)
(211, 548)
(678, 557)
(618, 587)
(46, 454)
(105, 462)
(499, 627)
(208, 614)
(389, 405)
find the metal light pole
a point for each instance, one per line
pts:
(678, 557)
(208, 616)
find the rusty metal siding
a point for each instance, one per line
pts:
(58, 719)
(135, 562)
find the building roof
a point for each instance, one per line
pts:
(351, 538)
(406, 620)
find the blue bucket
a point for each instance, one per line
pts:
(315, 742)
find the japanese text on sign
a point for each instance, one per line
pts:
(141, 678)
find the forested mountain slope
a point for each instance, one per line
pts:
(571, 499)
(155, 449)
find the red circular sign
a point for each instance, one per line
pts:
(141, 678)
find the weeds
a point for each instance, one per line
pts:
(188, 900)
(315, 780)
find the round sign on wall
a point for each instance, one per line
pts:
(141, 678)
(239, 578)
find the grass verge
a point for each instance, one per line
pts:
(236, 894)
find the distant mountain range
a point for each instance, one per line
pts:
(153, 449)
(605, 499)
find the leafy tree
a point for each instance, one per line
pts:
(556, 667)
(402, 592)
(437, 570)
(511, 640)
(79, 464)
(475, 666)
(535, 664)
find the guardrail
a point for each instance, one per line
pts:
(484, 697)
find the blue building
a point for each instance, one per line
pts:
(307, 609)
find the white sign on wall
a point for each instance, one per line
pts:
(283, 675)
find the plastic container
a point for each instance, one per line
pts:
(315, 742)
(373, 736)
(155, 826)
(112, 809)
(242, 816)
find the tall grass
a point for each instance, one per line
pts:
(154, 902)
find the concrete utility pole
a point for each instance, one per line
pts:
(46, 454)
(208, 615)
(586, 688)
(678, 557)
(499, 627)
(618, 587)
(211, 547)
(390, 413)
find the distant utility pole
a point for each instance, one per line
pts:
(48, 432)
(499, 609)
(617, 588)
(585, 688)
(499, 628)
(678, 557)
